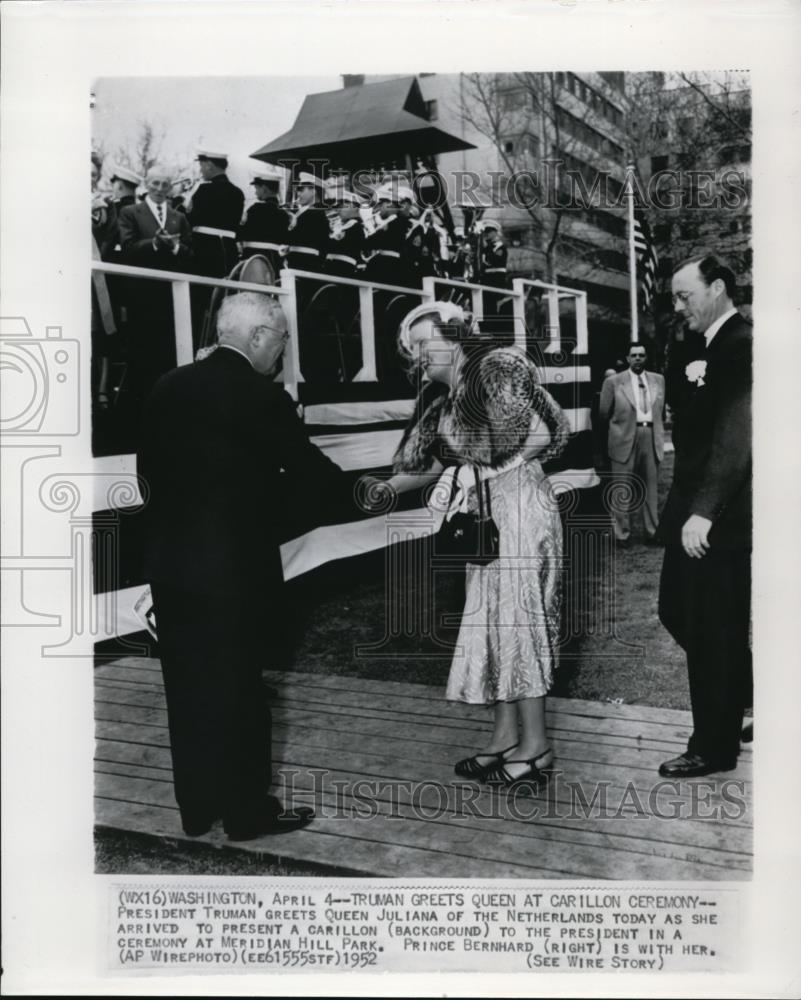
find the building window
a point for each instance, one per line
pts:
(659, 163)
(658, 130)
(560, 79)
(522, 145)
(589, 136)
(616, 80)
(517, 237)
(432, 111)
(512, 100)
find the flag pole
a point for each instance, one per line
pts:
(632, 256)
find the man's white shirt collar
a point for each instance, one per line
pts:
(154, 208)
(713, 329)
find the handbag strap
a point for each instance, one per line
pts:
(482, 485)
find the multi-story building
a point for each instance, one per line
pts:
(549, 163)
(693, 142)
(694, 158)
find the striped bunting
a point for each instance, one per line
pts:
(359, 427)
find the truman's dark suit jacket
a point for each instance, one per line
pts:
(712, 475)
(215, 437)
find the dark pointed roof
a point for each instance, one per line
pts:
(357, 125)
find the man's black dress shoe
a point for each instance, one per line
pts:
(196, 826)
(693, 765)
(272, 823)
(747, 735)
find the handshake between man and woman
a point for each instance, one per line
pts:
(218, 442)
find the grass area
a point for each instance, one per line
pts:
(139, 854)
(614, 648)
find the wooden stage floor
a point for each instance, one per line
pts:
(375, 759)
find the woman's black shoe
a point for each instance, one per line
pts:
(469, 767)
(536, 774)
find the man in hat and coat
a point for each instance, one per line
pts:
(493, 255)
(387, 250)
(266, 226)
(309, 231)
(347, 240)
(215, 215)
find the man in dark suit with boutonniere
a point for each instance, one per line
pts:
(705, 589)
(219, 440)
(153, 235)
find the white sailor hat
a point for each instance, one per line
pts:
(491, 224)
(348, 198)
(395, 193)
(260, 177)
(124, 174)
(209, 154)
(306, 178)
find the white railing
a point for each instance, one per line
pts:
(554, 294)
(292, 374)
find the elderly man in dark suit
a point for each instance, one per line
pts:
(152, 234)
(216, 436)
(705, 589)
(632, 403)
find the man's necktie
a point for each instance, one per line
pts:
(161, 215)
(643, 395)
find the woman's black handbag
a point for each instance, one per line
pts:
(470, 537)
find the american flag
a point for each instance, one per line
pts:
(646, 255)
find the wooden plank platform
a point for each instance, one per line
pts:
(375, 759)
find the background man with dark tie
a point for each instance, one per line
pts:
(152, 234)
(632, 403)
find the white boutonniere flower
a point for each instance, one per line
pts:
(695, 372)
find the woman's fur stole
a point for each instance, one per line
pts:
(486, 419)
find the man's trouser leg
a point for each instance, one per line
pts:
(623, 491)
(647, 468)
(705, 605)
(217, 714)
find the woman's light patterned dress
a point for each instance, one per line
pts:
(507, 645)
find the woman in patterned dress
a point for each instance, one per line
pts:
(493, 416)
